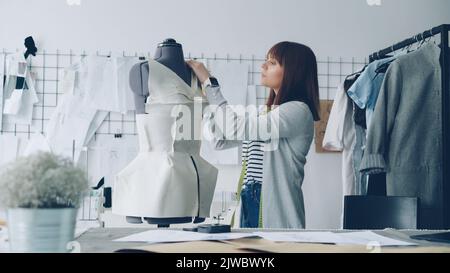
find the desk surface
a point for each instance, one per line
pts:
(102, 240)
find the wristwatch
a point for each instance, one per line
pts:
(211, 81)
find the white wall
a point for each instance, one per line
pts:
(345, 28)
(331, 27)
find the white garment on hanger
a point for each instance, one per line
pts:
(24, 113)
(349, 141)
(16, 67)
(107, 83)
(124, 65)
(340, 136)
(13, 103)
(334, 133)
(168, 178)
(67, 82)
(63, 138)
(101, 83)
(18, 108)
(73, 123)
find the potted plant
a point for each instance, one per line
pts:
(42, 194)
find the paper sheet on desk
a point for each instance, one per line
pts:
(190, 247)
(363, 238)
(327, 237)
(167, 236)
(369, 237)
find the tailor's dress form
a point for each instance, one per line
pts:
(168, 178)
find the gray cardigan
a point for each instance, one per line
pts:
(285, 153)
(404, 139)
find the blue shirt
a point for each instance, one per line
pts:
(364, 91)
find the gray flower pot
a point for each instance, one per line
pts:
(41, 230)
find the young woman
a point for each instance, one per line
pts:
(290, 72)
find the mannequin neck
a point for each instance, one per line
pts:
(173, 58)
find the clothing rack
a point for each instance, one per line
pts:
(442, 31)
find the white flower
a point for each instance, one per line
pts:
(42, 180)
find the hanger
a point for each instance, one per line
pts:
(383, 67)
(348, 77)
(427, 40)
(408, 48)
(419, 38)
(432, 37)
(422, 42)
(355, 75)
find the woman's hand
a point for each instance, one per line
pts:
(200, 70)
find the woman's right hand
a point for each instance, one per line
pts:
(199, 69)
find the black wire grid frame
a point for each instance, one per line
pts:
(48, 65)
(441, 32)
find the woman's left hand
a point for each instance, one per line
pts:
(200, 70)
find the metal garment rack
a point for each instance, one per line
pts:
(442, 31)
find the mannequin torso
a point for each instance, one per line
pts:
(170, 54)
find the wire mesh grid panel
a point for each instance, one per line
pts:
(48, 67)
(47, 70)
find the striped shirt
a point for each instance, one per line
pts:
(252, 154)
